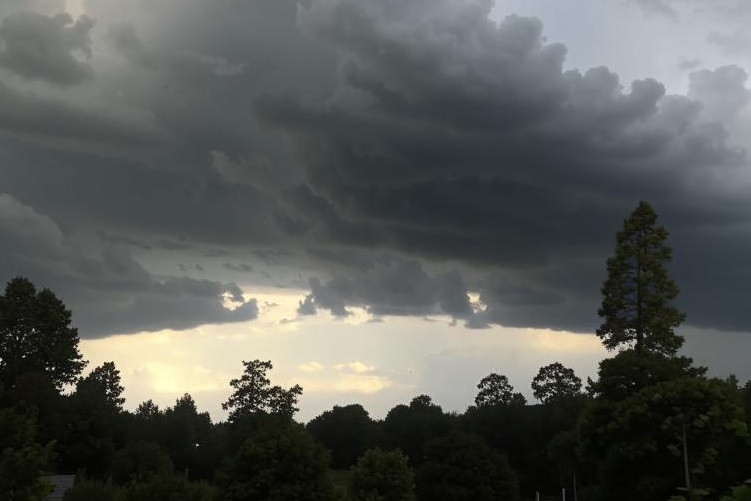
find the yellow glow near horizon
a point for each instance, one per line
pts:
(337, 361)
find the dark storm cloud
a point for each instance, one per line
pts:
(403, 153)
(452, 138)
(111, 292)
(39, 47)
(391, 287)
(32, 117)
(241, 268)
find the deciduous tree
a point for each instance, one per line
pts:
(105, 382)
(462, 466)
(554, 382)
(383, 476)
(36, 335)
(253, 393)
(496, 390)
(276, 464)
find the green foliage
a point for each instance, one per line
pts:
(22, 459)
(94, 423)
(637, 295)
(36, 336)
(462, 466)
(739, 493)
(35, 393)
(139, 461)
(746, 398)
(253, 394)
(165, 486)
(637, 442)
(186, 434)
(496, 390)
(382, 476)
(346, 431)
(525, 434)
(555, 382)
(169, 487)
(277, 463)
(630, 371)
(409, 428)
(89, 490)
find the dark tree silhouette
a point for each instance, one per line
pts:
(22, 458)
(384, 476)
(496, 390)
(277, 463)
(554, 382)
(346, 431)
(409, 427)
(36, 335)
(104, 380)
(253, 394)
(638, 292)
(462, 466)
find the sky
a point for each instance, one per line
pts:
(386, 198)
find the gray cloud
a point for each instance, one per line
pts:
(689, 64)
(241, 268)
(374, 145)
(38, 47)
(391, 287)
(483, 149)
(111, 292)
(733, 43)
(674, 8)
(659, 7)
(722, 92)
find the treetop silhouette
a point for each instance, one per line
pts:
(637, 295)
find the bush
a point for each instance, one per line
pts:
(383, 476)
(139, 461)
(93, 489)
(278, 463)
(169, 487)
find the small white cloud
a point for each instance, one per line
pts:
(348, 383)
(356, 367)
(311, 367)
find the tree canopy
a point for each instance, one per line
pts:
(36, 335)
(496, 390)
(554, 382)
(383, 476)
(278, 463)
(253, 393)
(462, 466)
(105, 380)
(637, 295)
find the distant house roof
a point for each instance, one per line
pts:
(61, 484)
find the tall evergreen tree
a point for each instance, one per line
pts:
(637, 295)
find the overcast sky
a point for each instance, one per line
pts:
(384, 197)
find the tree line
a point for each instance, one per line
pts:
(651, 426)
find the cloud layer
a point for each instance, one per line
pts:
(396, 156)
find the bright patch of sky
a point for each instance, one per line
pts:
(337, 362)
(631, 42)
